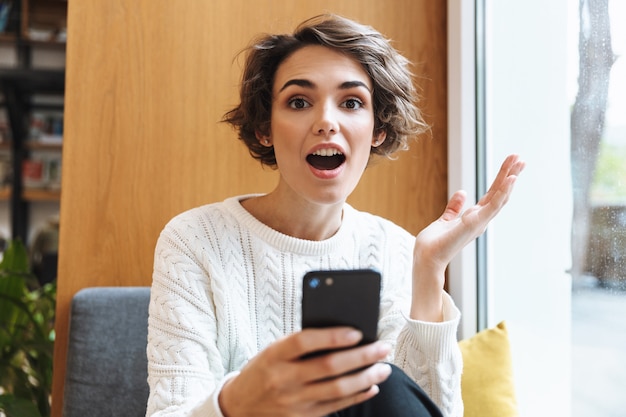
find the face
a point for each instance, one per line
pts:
(322, 124)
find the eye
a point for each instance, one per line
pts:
(298, 103)
(352, 104)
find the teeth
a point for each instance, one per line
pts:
(327, 152)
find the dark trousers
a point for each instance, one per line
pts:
(399, 396)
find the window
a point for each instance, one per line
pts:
(526, 69)
(597, 86)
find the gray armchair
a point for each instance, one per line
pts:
(106, 372)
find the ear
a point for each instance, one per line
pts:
(263, 138)
(378, 138)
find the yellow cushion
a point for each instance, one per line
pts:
(487, 382)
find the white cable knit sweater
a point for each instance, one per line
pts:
(225, 286)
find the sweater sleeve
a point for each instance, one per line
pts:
(427, 352)
(430, 354)
(185, 369)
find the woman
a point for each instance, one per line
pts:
(224, 330)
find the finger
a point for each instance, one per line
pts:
(517, 168)
(491, 203)
(337, 363)
(487, 209)
(348, 385)
(509, 162)
(501, 195)
(511, 167)
(455, 206)
(503, 173)
(307, 341)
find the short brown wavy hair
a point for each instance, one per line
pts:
(394, 95)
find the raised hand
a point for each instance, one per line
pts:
(277, 382)
(442, 240)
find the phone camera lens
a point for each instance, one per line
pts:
(314, 283)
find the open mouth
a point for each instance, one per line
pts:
(326, 159)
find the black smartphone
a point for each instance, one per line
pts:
(342, 298)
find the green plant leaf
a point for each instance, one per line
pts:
(18, 407)
(12, 288)
(15, 258)
(13, 270)
(26, 337)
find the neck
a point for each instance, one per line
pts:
(295, 217)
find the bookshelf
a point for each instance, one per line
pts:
(32, 95)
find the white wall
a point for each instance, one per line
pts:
(528, 244)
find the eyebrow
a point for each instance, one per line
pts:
(308, 84)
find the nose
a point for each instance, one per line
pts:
(326, 121)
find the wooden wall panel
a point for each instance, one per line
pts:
(147, 83)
